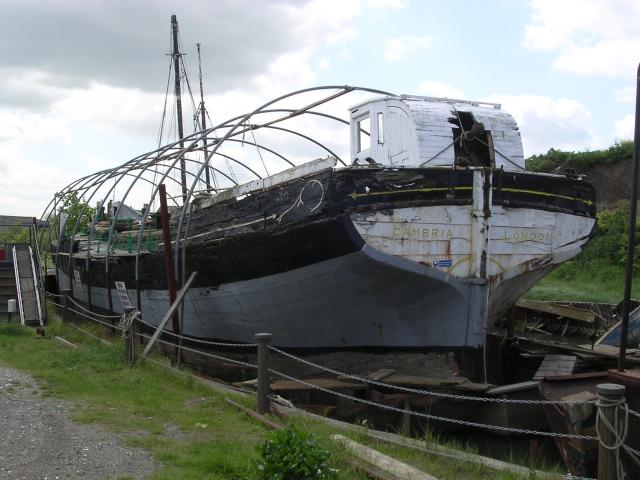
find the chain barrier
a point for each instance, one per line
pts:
(88, 317)
(206, 354)
(470, 458)
(53, 295)
(87, 333)
(633, 412)
(633, 454)
(182, 372)
(433, 417)
(430, 393)
(197, 340)
(134, 314)
(112, 317)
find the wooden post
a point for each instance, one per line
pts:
(406, 416)
(176, 69)
(128, 335)
(65, 302)
(263, 339)
(610, 396)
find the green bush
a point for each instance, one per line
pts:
(289, 454)
(548, 162)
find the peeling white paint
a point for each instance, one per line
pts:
(453, 238)
(416, 131)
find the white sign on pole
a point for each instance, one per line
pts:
(78, 278)
(123, 294)
(63, 222)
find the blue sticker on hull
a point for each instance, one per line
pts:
(442, 263)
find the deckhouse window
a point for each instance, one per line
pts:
(380, 128)
(363, 126)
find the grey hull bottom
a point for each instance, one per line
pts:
(364, 299)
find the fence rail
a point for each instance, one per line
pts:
(618, 446)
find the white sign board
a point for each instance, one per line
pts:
(63, 222)
(123, 294)
(76, 275)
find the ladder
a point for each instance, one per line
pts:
(27, 285)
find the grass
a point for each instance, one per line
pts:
(597, 274)
(595, 282)
(188, 427)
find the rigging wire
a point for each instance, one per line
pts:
(164, 115)
(255, 142)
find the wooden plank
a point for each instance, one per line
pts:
(170, 313)
(370, 471)
(578, 350)
(554, 365)
(413, 380)
(66, 343)
(382, 461)
(379, 374)
(327, 383)
(514, 387)
(261, 418)
(555, 309)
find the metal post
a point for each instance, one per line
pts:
(263, 339)
(66, 293)
(631, 242)
(166, 245)
(610, 397)
(128, 334)
(11, 309)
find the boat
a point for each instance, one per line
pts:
(419, 236)
(431, 230)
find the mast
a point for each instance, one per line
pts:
(203, 119)
(176, 66)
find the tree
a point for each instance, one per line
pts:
(77, 210)
(15, 234)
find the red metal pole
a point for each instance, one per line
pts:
(166, 238)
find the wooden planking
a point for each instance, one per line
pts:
(555, 365)
(382, 461)
(432, 120)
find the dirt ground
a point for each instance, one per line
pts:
(38, 441)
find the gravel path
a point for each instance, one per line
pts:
(38, 441)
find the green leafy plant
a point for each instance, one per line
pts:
(548, 162)
(15, 234)
(289, 454)
(78, 212)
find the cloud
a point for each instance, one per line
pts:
(394, 4)
(625, 95)
(438, 89)
(398, 48)
(590, 37)
(549, 123)
(624, 127)
(94, 41)
(82, 83)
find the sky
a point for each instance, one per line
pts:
(82, 82)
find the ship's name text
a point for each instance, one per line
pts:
(423, 233)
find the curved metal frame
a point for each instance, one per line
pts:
(167, 158)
